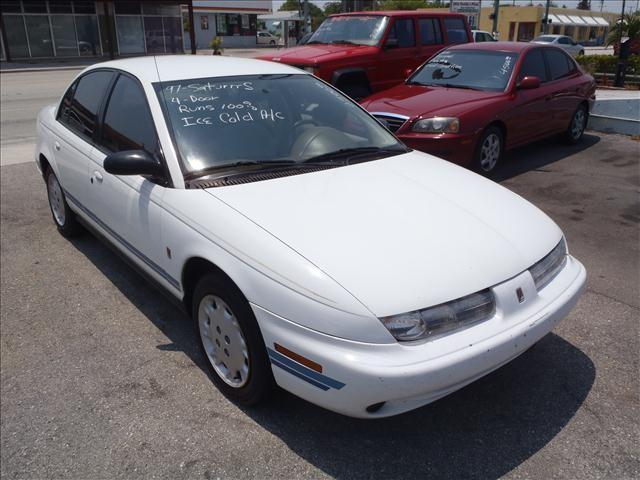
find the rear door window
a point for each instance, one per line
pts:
(430, 33)
(560, 66)
(82, 112)
(403, 30)
(456, 30)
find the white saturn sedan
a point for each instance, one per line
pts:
(567, 43)
(312, 249)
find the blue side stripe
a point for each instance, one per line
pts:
(304, 370)
(299, 375)
(157, 268)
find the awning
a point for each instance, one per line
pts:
(590, 21)
(601, 21)
(564, 20)
(286, 15)
(577, 21)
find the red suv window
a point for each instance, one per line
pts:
(456, 30)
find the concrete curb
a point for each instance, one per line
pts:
(42, 69)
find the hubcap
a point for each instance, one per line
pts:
(577, 126)
(490, 152)
(223, 341)
(56, 200)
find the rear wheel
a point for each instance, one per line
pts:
(577, 126)
(63, 217)
(489, 151)
(230, 340)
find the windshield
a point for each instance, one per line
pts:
(230, 121)
(545, 39)
(474, 69)
(356, 29)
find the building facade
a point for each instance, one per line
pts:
(62, 29)
(524, 23)
(236, 22)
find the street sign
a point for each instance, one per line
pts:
(470, 8)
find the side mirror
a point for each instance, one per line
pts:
(391, 43)
(528, 83)
(408, 72)
(133, 162)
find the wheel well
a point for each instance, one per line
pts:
(192, 271)
(44, 164)
(352, 78)
(503, 128)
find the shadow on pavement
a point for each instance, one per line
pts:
(483, 431)
(538, 155)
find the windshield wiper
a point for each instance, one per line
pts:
(452, 85)
(345, 42)
(246, 163)
(346, 154)
(313, 42)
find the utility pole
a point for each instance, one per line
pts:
(496, 9)
(623, 53)
(305, 15)
(546, 18)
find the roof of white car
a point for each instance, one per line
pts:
(184, 67)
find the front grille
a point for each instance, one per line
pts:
(392, 122)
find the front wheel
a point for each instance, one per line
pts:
(488, 151)
(577, 126)
(230, 340)
(63, 217)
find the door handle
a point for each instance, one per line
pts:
(97, 176)
(56, 145)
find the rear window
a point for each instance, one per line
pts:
(456, 30)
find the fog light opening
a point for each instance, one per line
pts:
(375, 407)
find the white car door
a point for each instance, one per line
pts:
(129, 207)
(75, 132)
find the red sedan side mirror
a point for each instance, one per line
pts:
(527, 83)
(408, 72)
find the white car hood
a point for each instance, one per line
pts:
(401, 233)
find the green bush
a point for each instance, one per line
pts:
(607, 64)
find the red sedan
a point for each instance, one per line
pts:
(470, 103)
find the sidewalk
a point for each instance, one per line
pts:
(80, 63)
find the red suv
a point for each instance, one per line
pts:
(366, 52)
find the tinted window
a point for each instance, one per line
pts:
(402, 29)
(533, 66)
(63, 111)
(456, 30)
(81, 115)
(564, 41)
(127, 122)
(559, 65)
(430, 33)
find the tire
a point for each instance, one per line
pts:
(577, 126)
(581, 53)
(227, 331)
(272, 43)
(489, 151)
(356, 90)
(64, 219)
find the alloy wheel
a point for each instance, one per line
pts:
(56, 200)
(578, 123)
(490, 152)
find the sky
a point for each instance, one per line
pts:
(609, 5)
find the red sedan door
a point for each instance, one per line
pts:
(530, 115)
(565, 94)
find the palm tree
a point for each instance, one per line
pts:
(630, 28)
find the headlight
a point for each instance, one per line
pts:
(442, 319)
(546, 269)
(437, 125)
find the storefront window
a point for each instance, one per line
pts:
(64, 35)
(88, 36)
(173, 34)
(60, 6)
(84, 6)
(130, 37)
(39, 35)
(16, 36)
(154, 34)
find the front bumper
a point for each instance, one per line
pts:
(406, 376)
(457, 148)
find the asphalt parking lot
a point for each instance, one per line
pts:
(100, 377)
